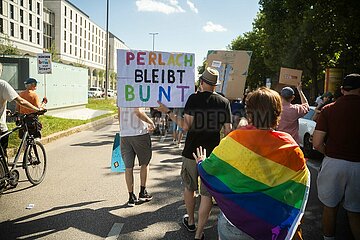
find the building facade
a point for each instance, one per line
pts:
(21, 25)
(58, 26)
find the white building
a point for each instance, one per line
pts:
(35, 26)
(21, 22)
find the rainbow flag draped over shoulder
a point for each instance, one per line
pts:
(260, 181)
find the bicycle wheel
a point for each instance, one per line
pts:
(35, 162)
(2, 176)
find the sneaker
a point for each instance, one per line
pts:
(185, 221)
(145, 196)
(132, 200)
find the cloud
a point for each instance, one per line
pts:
(192, 6)
(211, 27)
(162, 6)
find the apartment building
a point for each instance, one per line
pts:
(21, 22)
(35, 26)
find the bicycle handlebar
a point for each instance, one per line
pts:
(17, 114)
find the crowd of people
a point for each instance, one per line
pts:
(257, 173)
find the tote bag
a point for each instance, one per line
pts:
(117, 163)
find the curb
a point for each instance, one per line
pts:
(97, 123)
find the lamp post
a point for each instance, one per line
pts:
(107, 51)
(153, 39)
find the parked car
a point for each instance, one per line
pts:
(94, 92)
(110, 93)
(306, 130)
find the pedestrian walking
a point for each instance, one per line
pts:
(292, 112)
(135, 141)
(336, 135)
(205, 113)
(266, 165)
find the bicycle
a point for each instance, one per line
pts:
(34, 159)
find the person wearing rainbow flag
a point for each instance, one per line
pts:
(257, 175)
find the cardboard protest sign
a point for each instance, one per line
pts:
(233, 69)
(290, 76)
(44, 63)
(144, 77)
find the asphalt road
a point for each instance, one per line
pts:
(81, 198)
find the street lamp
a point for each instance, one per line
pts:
(153, 39)
(107, 51)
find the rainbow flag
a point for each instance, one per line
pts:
(260, 181)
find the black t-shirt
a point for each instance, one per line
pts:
(210, 111)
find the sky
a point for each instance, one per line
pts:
(188, 26)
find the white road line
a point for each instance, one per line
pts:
(115, 231)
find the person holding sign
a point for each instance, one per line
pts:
(205, 113)
(292, 112)
(135, 141)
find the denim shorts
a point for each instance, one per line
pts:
(227, 231)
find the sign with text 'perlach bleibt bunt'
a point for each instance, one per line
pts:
(145, 77)
(44, 63)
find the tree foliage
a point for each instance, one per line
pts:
(6, 47)
(304, 34)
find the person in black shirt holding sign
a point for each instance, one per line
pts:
(205, 113)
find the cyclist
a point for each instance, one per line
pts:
(31, 96)
(8, 94)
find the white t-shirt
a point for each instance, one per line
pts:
(130, 124)
(7, 94)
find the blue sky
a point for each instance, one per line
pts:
(191, 26)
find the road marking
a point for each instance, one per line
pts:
(115, 231)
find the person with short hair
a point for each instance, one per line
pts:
(135, 141)
(8, 94)
(205, 113)
(336, 135)
(289, 119)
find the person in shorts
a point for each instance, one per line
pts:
(135, 141)
(205, 113)
(336, 135)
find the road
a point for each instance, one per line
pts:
(81, 199)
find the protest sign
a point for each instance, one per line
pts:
(233, 69)
(145, 77)
(290, 76)
(44, 63)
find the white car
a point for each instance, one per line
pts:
(94, 92)
(110, 93)
(306, 130)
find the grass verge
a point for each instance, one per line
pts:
(53, 125)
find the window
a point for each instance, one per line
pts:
(38, 9)
(76, 17)
(64, 22)
(22, 3)
(75, 29)
(65, 10)
(30, 20)
(1, 25)
(30, 35)
(12, 30)
(64, 35)
(1, 7)
(75, 40)
(11, 11)
(80, 21)
(38, 23)
(64, 47)
(21, 32)
(38, 38)
(75, 51)
(70, 26)
(70, 49)
(70, 37)
(70, 16)
(30, 5)
(21, 16)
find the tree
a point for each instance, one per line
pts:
(6, 46)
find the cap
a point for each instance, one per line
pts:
(287, 92)
(30, 80)
(351, 81)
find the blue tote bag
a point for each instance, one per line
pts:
(117, 163)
